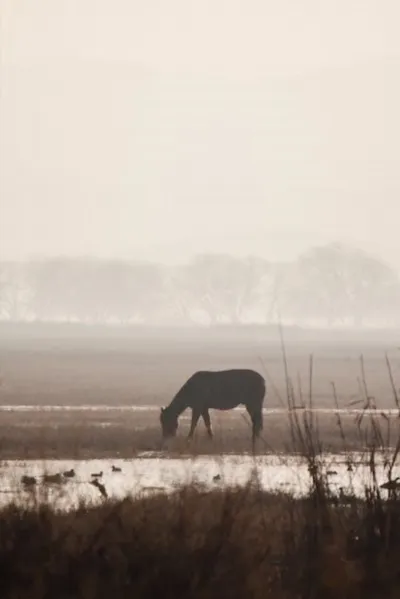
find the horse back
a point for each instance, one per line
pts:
(225, 389)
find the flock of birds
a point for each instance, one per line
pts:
(60, 478)
(392, 486)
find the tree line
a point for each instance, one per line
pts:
(325, 286)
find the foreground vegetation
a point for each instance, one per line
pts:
(225, 543)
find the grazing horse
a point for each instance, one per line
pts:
(218, 390)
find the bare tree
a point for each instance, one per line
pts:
(338, 284)
(15, 291)
(222, 286)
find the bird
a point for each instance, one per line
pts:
(216, 477)
(69, 473)
(115, 469)
(28, 481)
(53, 478)
(97, 474)
(100, 487)
(392, 485)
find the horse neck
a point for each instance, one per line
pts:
(178, 405)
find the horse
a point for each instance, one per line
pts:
(217, 390)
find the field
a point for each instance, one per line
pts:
(111, 372)
(97, 394)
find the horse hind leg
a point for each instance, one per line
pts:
(207, 422)
(257, 424)
(257, 428)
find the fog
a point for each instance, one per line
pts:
(160, 130)
(189, 162)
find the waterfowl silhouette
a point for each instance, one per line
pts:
(28, 481)
(392, 485)
(53, 478)
(69, 473)
(100, 487)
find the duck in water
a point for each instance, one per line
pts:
(28, 481)
(53, 478)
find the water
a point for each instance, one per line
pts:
(152, 473)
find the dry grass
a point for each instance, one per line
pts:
(83, 435)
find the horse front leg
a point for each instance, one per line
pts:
(195, 418)
(207, 422)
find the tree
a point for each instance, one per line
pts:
(55, 284)
(338, 283)
(146, 288)
(15, 292)
(221, 286)
(90, 290)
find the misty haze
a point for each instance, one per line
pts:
(199, 298)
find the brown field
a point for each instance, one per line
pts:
(104, 434)
(106, 368)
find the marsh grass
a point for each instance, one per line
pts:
(227, 542)
(236, 542)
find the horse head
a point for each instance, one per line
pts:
(169, 423)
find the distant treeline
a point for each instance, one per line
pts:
(331, 285)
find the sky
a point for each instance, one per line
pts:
(153, 129)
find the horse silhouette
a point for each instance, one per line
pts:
(218, 390)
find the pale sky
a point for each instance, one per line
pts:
(158, 128)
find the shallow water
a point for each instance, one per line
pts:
(151, 473)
